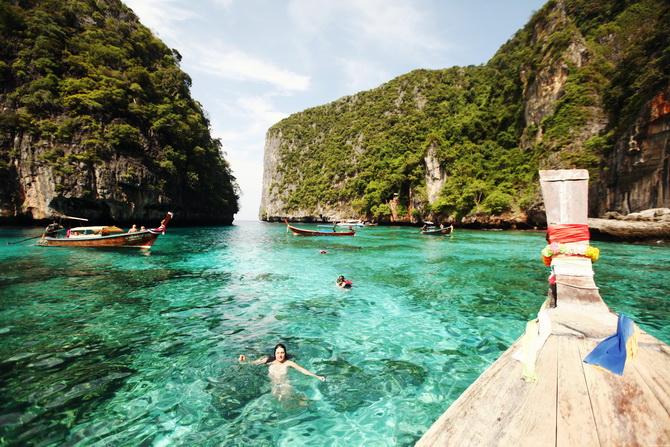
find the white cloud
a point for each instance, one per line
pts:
(237, 65)
(224, 3)
(390, 24)
(161, 16)
(262, 109)
(393, 24)
(255, 115)
(311, 17)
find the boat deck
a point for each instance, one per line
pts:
(571, 403)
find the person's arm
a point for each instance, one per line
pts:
(304, 371)
(242, 358)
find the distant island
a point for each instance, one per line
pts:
(583, 85)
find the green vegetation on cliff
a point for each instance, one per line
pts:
(86, 80)
(487, 125)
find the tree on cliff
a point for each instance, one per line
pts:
(96, 117)
(562, 93)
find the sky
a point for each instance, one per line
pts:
(256, 62)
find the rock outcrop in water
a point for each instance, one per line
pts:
(97, 121)
(583, 85)
(646, 226)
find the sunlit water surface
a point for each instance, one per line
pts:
(130, 348)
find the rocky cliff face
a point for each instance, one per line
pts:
(638, 172)
(274, 207)
(271, 210)
(566, 123)
(97, 121)
(121, 188)
(541, 95)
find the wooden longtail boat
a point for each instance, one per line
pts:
(435, 230)
(104, 237)
(545, 390)
(303, 232)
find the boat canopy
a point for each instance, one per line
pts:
(104, 229)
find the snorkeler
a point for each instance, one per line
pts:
(341, 282)
(279, 364)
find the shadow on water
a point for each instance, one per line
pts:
(51, 391)
(348, 386)
(236, 387)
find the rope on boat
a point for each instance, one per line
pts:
(577, 287)
(23, 240)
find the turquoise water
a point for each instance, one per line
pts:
(130, 348)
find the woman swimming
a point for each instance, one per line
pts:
(278, 372)
(279, 364)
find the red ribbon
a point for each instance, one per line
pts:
(566, 233)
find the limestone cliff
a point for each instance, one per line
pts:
(583, 85)
(638, 171)
(97, 121)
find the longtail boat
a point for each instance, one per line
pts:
(351, 223)
(331, 232)
(581, 375)
(437, 231)
(103, 237)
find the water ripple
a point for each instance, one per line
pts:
(103, 348)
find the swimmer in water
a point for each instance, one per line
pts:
(278, 371)
(341, 282)
(279, 364)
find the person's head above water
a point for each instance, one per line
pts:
(280, 353)
(340, 278)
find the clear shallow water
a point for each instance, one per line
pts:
(126, 348)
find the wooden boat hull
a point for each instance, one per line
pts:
(303, 232)
(140, 239)
(95, 237)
